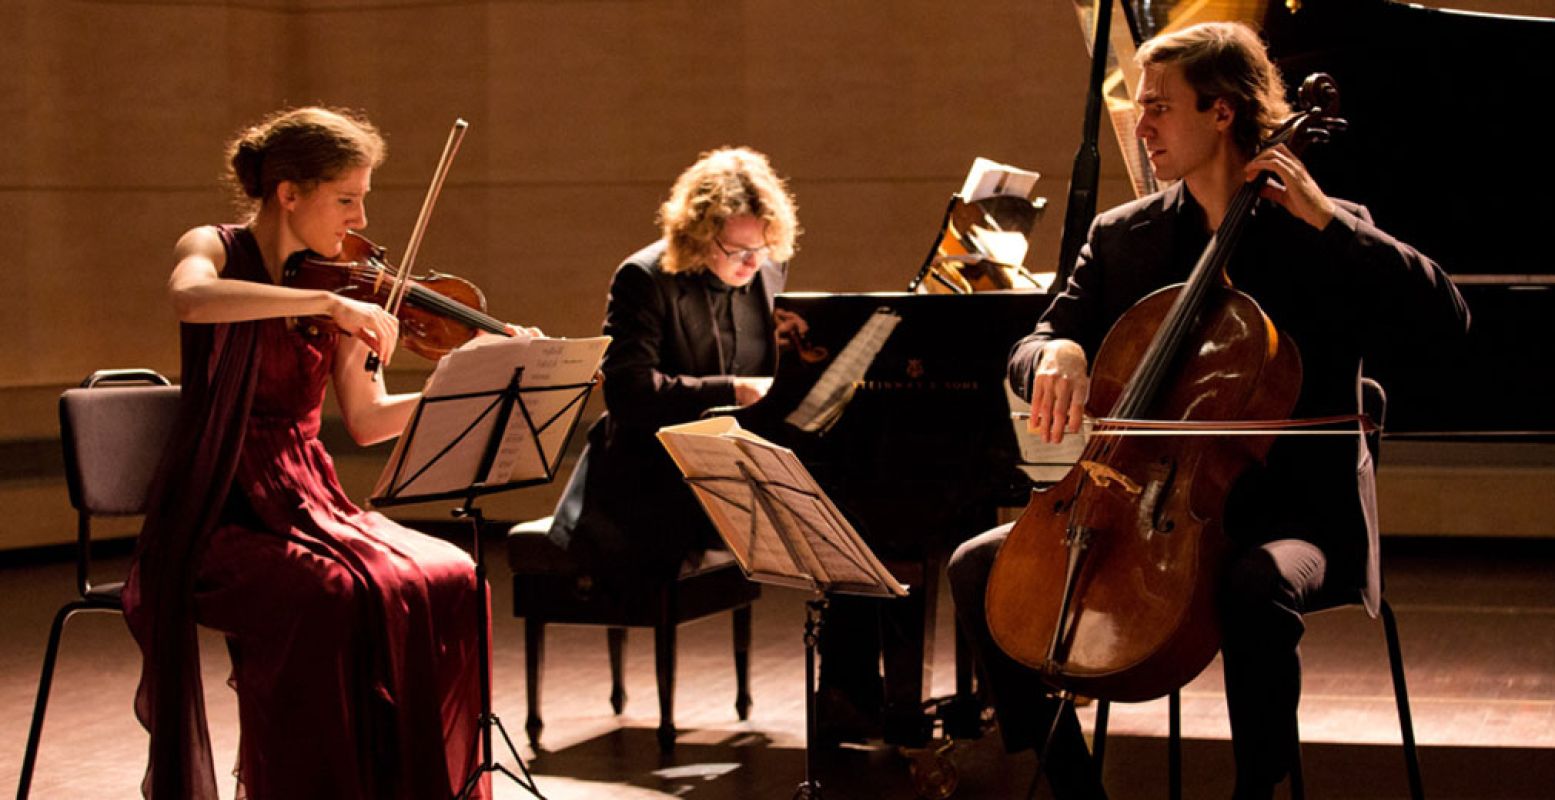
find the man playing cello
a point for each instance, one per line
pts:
(1302, 524)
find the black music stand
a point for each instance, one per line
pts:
(782, 529)
(401, 487)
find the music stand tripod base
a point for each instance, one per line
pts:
(504, 402)
(815, 607)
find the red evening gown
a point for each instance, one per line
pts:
(353, 639)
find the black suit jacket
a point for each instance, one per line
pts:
(626, 514)
(1345, 294)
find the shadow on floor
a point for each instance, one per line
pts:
(747, 765)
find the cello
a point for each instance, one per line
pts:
(1106, 584)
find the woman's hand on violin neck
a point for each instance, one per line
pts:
(519, 332)
(1060, 386)
(375, 327)
(749, 390)
(523, 331)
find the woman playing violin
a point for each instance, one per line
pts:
(1327, 278)
(352, 638)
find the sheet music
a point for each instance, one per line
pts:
(804, 506)
(704, 455)
(989, 178)
(789, 533)
(1005, 247)
(823, 404)
(451, 432)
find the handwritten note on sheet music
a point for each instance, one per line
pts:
(459, 408)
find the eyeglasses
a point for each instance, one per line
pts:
(743, 254)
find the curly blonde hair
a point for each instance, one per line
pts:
(1226, 60)
(306, 146)
(723, 184)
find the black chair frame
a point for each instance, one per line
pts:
(549, 588)
(1374, 402)
(97, 597)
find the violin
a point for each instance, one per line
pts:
(1106, 584)
(439, 312)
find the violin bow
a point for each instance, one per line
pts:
(402, 277)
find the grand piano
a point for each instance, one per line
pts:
(914, 441)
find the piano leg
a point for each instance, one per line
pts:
(962, 714)
(850, 696)
(907, 639)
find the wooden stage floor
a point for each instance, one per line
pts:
(1477, 620)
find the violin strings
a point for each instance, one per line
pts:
(454, 308)
(435, 301)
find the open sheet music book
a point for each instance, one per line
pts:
(780, 526)
(459, 407)
(988, 178)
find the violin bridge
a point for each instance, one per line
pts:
(1104, 476)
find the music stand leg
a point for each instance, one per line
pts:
(810, 789)
(488, 720)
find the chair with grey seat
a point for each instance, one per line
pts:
(113, 429)
(1374, 402)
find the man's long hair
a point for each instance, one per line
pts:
(1226, 60)
(722, 184)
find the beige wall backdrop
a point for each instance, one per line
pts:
(581, 114)
(114, 114)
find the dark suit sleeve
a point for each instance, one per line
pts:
(1405, 299)
(1073, 314)
(639, 391)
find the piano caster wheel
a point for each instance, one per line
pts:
(809, 790)
(934, 775)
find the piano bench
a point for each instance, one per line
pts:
(550, 587)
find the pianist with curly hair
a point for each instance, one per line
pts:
(690, 321)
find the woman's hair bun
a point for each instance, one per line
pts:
(247, 167)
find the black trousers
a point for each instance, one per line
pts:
(1264, 593)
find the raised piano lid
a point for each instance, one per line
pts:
(1442, 145)
(1117, 88)
(1444, 151)
(1441, 150)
